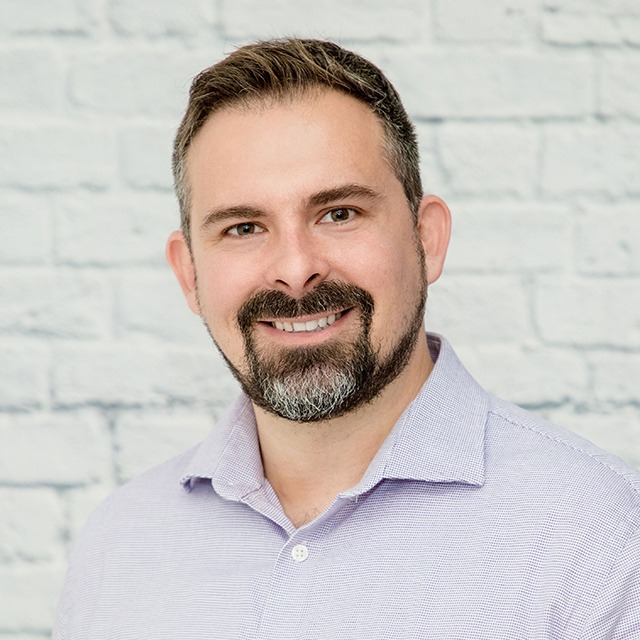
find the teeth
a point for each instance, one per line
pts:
(312, 325)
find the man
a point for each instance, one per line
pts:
(363, 486)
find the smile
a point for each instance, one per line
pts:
(310, 326)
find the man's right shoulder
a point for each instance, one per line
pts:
(155, 487)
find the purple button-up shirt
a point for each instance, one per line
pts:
(474, 520)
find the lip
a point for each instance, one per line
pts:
(308, 318)
(304, 337)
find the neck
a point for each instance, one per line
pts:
(309, 464)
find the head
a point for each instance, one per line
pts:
(306, 246)
(281, 70)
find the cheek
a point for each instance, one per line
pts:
(221, 290)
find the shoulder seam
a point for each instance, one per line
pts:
(597, 459)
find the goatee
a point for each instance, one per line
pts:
(319, 382)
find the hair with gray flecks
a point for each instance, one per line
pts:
(287, 68)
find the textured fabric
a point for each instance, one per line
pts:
(474, 520)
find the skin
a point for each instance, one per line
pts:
(310, 178)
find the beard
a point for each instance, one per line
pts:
(320, 382)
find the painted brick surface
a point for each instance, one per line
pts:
(528, 115)
(491, 159)
(484, 84)
(584, 22)
(25, 220)
(56, 156)
(504, 21)
(344, 19)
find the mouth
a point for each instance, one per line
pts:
(315, 325)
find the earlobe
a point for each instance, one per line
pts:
(434, 229)
(180, 260)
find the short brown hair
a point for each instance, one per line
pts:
(282, 68)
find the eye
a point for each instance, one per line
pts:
(244, 229)
(342, 214)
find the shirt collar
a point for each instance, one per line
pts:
(438, 438)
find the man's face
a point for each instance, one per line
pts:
(308, 268)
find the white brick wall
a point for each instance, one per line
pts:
(529, 119)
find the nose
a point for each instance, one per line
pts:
(296, 263)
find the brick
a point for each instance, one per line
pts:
(58, 449)
(31, 80)
(145, 156)
(503, 238)
(151, 306)
(56, 156)
(469, 310)
(608, 239)
(31, 525)
(343, 20)
(145, 440)
(45, 635)
(487, 159)
(490, 21)
(614, 431)
(496, 85)
(135, 82)
(104, 230)
(619, 86)
(532, 377)
(24, 383)
(433, 178)
(25, 221)
(162, 18)
(595, 312)
(48, 16)
(630, 29)
(615, 377)
(56, 303)
(130, 374)
(578, 22)
(28, 596)
(590, 160)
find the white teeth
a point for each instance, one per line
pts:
(311, 325)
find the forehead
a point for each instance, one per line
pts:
(301, 143)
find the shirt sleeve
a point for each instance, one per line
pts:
(616, 611)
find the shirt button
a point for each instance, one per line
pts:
(299, 553)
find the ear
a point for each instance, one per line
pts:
(179, 258)
(434, 229)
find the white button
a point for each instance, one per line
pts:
(299, 553)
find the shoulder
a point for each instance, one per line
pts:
(571, 467)
(139, 503)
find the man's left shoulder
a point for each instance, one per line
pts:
(567, 462)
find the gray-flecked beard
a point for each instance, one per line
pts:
(319, 382)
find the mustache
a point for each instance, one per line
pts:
(327, 297)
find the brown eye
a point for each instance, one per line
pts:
(245, 229)
(339, 215)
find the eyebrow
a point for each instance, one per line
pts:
(343, 192)
(242, 212)
(319, 199)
